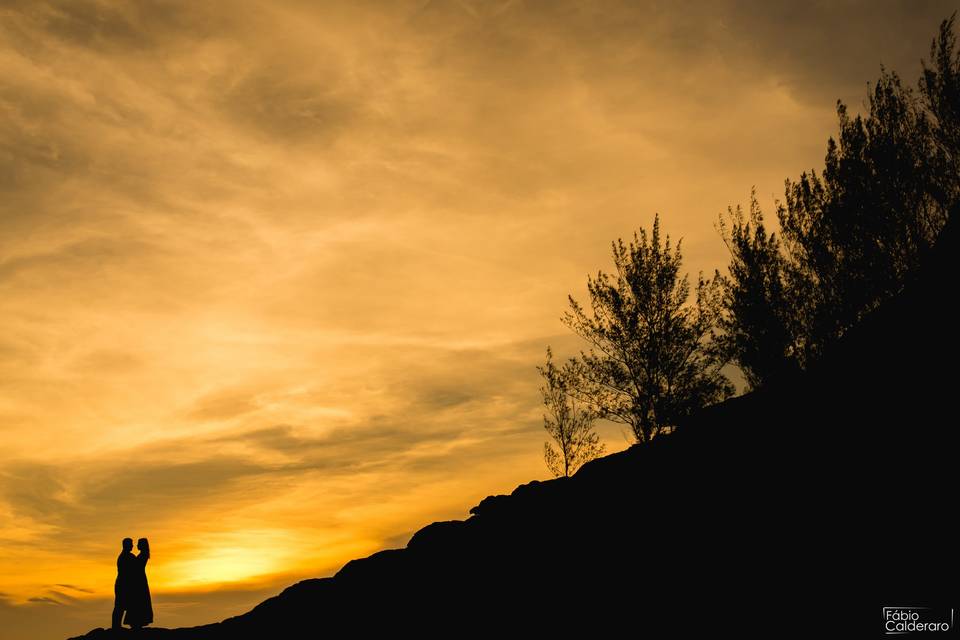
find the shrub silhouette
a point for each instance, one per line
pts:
(568, 421)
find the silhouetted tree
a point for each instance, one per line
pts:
(940, 91)
(651, 360)
(568, 421)
(758, 329)
(851, 235)
(860, 227)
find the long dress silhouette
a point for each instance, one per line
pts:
(139, 606)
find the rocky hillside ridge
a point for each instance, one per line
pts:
(809, 504)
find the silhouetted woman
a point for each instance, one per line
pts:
(139, 607)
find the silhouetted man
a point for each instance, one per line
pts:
(126, 564)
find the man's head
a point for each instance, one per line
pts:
(127, 544)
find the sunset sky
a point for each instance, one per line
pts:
(275, 276)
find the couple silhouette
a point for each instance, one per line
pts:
(131, 591)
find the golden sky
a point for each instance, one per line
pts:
(274, 276)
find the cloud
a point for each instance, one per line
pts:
(151, 486)
(291, 106)
(73, 587)
(851, 39)
(34, 490)
(90, 254)
(114, 361)
(120, 27)
(223, 404)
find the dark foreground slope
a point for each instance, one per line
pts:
(803, 507)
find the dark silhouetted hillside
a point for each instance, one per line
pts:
(807, 505)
